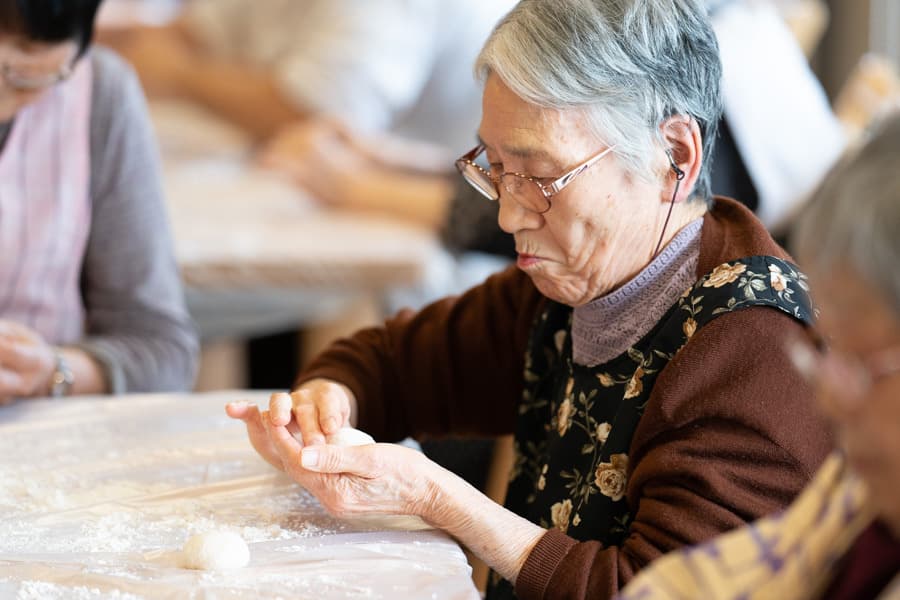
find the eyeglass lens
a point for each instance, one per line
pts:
(479, 180)
(526, 192)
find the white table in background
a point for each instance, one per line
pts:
(257, 255)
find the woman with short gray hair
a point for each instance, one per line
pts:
(636, 349)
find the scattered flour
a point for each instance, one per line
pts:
(42, 590)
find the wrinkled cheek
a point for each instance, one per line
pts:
(568, 290)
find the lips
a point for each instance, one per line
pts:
(527, 260)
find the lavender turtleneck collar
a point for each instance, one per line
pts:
(607, 326)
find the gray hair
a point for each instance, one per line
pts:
(628, 64)
(854, 217)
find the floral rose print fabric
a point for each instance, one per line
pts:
(576, 423)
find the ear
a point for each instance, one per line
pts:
(681, 134)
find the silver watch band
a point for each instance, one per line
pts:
(62, 379)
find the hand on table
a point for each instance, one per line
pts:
(320, 154)
(344, 170)
(26, 362)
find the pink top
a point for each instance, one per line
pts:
(45, 210)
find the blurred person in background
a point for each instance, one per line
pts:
(314, 74)
(344, 170)
(840, 540)
(777, 137)
(364, 103)
(90, 297)
(636, 350)
(395, 72)
(398, 66)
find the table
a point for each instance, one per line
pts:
(256, 254)
(98, 495)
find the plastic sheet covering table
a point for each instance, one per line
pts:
(98, 495)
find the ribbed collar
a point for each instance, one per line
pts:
(607, 326)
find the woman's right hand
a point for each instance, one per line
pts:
(314, 410)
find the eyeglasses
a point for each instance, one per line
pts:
(528, 191)
(20, 81)
(852, 374)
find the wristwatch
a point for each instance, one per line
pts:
(62, 379)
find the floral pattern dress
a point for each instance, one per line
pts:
(575, 423)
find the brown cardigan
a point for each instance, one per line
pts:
(730, 432)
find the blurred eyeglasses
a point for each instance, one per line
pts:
(534, 193)
(852, 374)
(29, 82)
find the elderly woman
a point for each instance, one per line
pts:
(90, 299)
(636, 349)
(841, 538)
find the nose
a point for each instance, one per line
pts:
(513, 217)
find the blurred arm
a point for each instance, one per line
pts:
(137, 325)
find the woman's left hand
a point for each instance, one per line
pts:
(26, 362)
(358, 480)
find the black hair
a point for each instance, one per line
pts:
(52, 21)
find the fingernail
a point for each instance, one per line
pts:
(309, 457)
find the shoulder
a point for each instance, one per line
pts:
(736, 372)
(730, 232)
(113, 77)
(117, 102)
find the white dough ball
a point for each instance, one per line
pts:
(215, 550)
(348, 436)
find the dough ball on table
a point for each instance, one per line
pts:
(348, 436)
(215, 550)
(345, 436)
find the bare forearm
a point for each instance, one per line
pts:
(501, 538)
(248, 97)
(423, 199)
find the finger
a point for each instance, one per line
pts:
(333, 410)
(285, 445)
(7, 328)
(281, 408)
(322, 458)
(7, 351)
(256, 431)
(11, 384)
(306, 413)
(238, 410)
(19, 356)
(328, 458)
(306, 418)
(15, 331)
